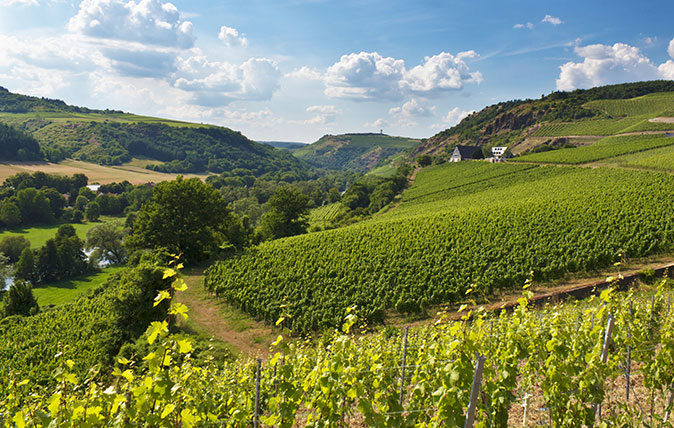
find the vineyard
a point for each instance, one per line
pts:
(652, 104)
(603, 149)
(587, 127)
(90, 330)
(323, 216)
(661, 159)
(608, 359)
(484, 234)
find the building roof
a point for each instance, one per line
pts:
(469, 151)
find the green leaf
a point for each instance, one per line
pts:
(163, 295)
(156, 328)
(184, 346)
(167, 410)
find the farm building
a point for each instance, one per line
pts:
(500, 153)
(466, 152)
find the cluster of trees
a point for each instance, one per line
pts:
(370, 194)
(247, 195)
(17, 145)
(61, 257)
(43, 198)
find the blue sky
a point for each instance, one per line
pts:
(294, 70)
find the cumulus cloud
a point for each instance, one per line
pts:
(147, 22)
(322, 115)
(378, 123)
(219, 83)
(528, 25)
(412, 108)
(452, 117)
(604, 65)
(305, 73)
(231, 37)
(370, 76)
(141, 62)
(365, 76)
(670, 49)
(552, 20)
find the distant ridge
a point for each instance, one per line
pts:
(112, 137)
(354, 151)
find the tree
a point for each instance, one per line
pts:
(12, 247)
(107, 242)
(424, 160)
(93, 211)
(5, 270)
(185, 216)
(20, 300)
(25, 267)
(288, 209)
(34, 206)
(81, 202)
(10, 214)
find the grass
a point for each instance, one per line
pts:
(39, 235)
(133, 172)
(65, 117)
(605, 148)
(62, 292)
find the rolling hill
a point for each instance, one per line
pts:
(360, 152)
(562, 118)
(110, 137)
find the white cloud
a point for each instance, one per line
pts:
(369, 76)
(305, 73)
(528, 25)
(442, 72)
(323, 115)
(552, 20)
(20, 2)
(412, 108)
(667, 70)
(365, 76)
(380, 123)
(604, 65)
(670, 49)
(231, 37)
(219, 83)
(147, 22)
(452, 117)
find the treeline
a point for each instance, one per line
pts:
(181, 149)
(39, 198)
(17, 103)
(17, 145)
(62, 257)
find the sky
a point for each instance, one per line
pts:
(294, 70)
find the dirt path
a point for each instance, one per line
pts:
(215, 319)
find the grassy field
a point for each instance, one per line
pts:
(38, 235)
(652, 104)
(67, 291)
(64, 117)
(132, 172)
(605, 148)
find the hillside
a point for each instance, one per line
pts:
(360, 152)
(562, 119)
(287, 145)
(469, 226)
(115, 138)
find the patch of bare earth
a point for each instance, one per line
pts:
(215, 319)
(662, 120)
